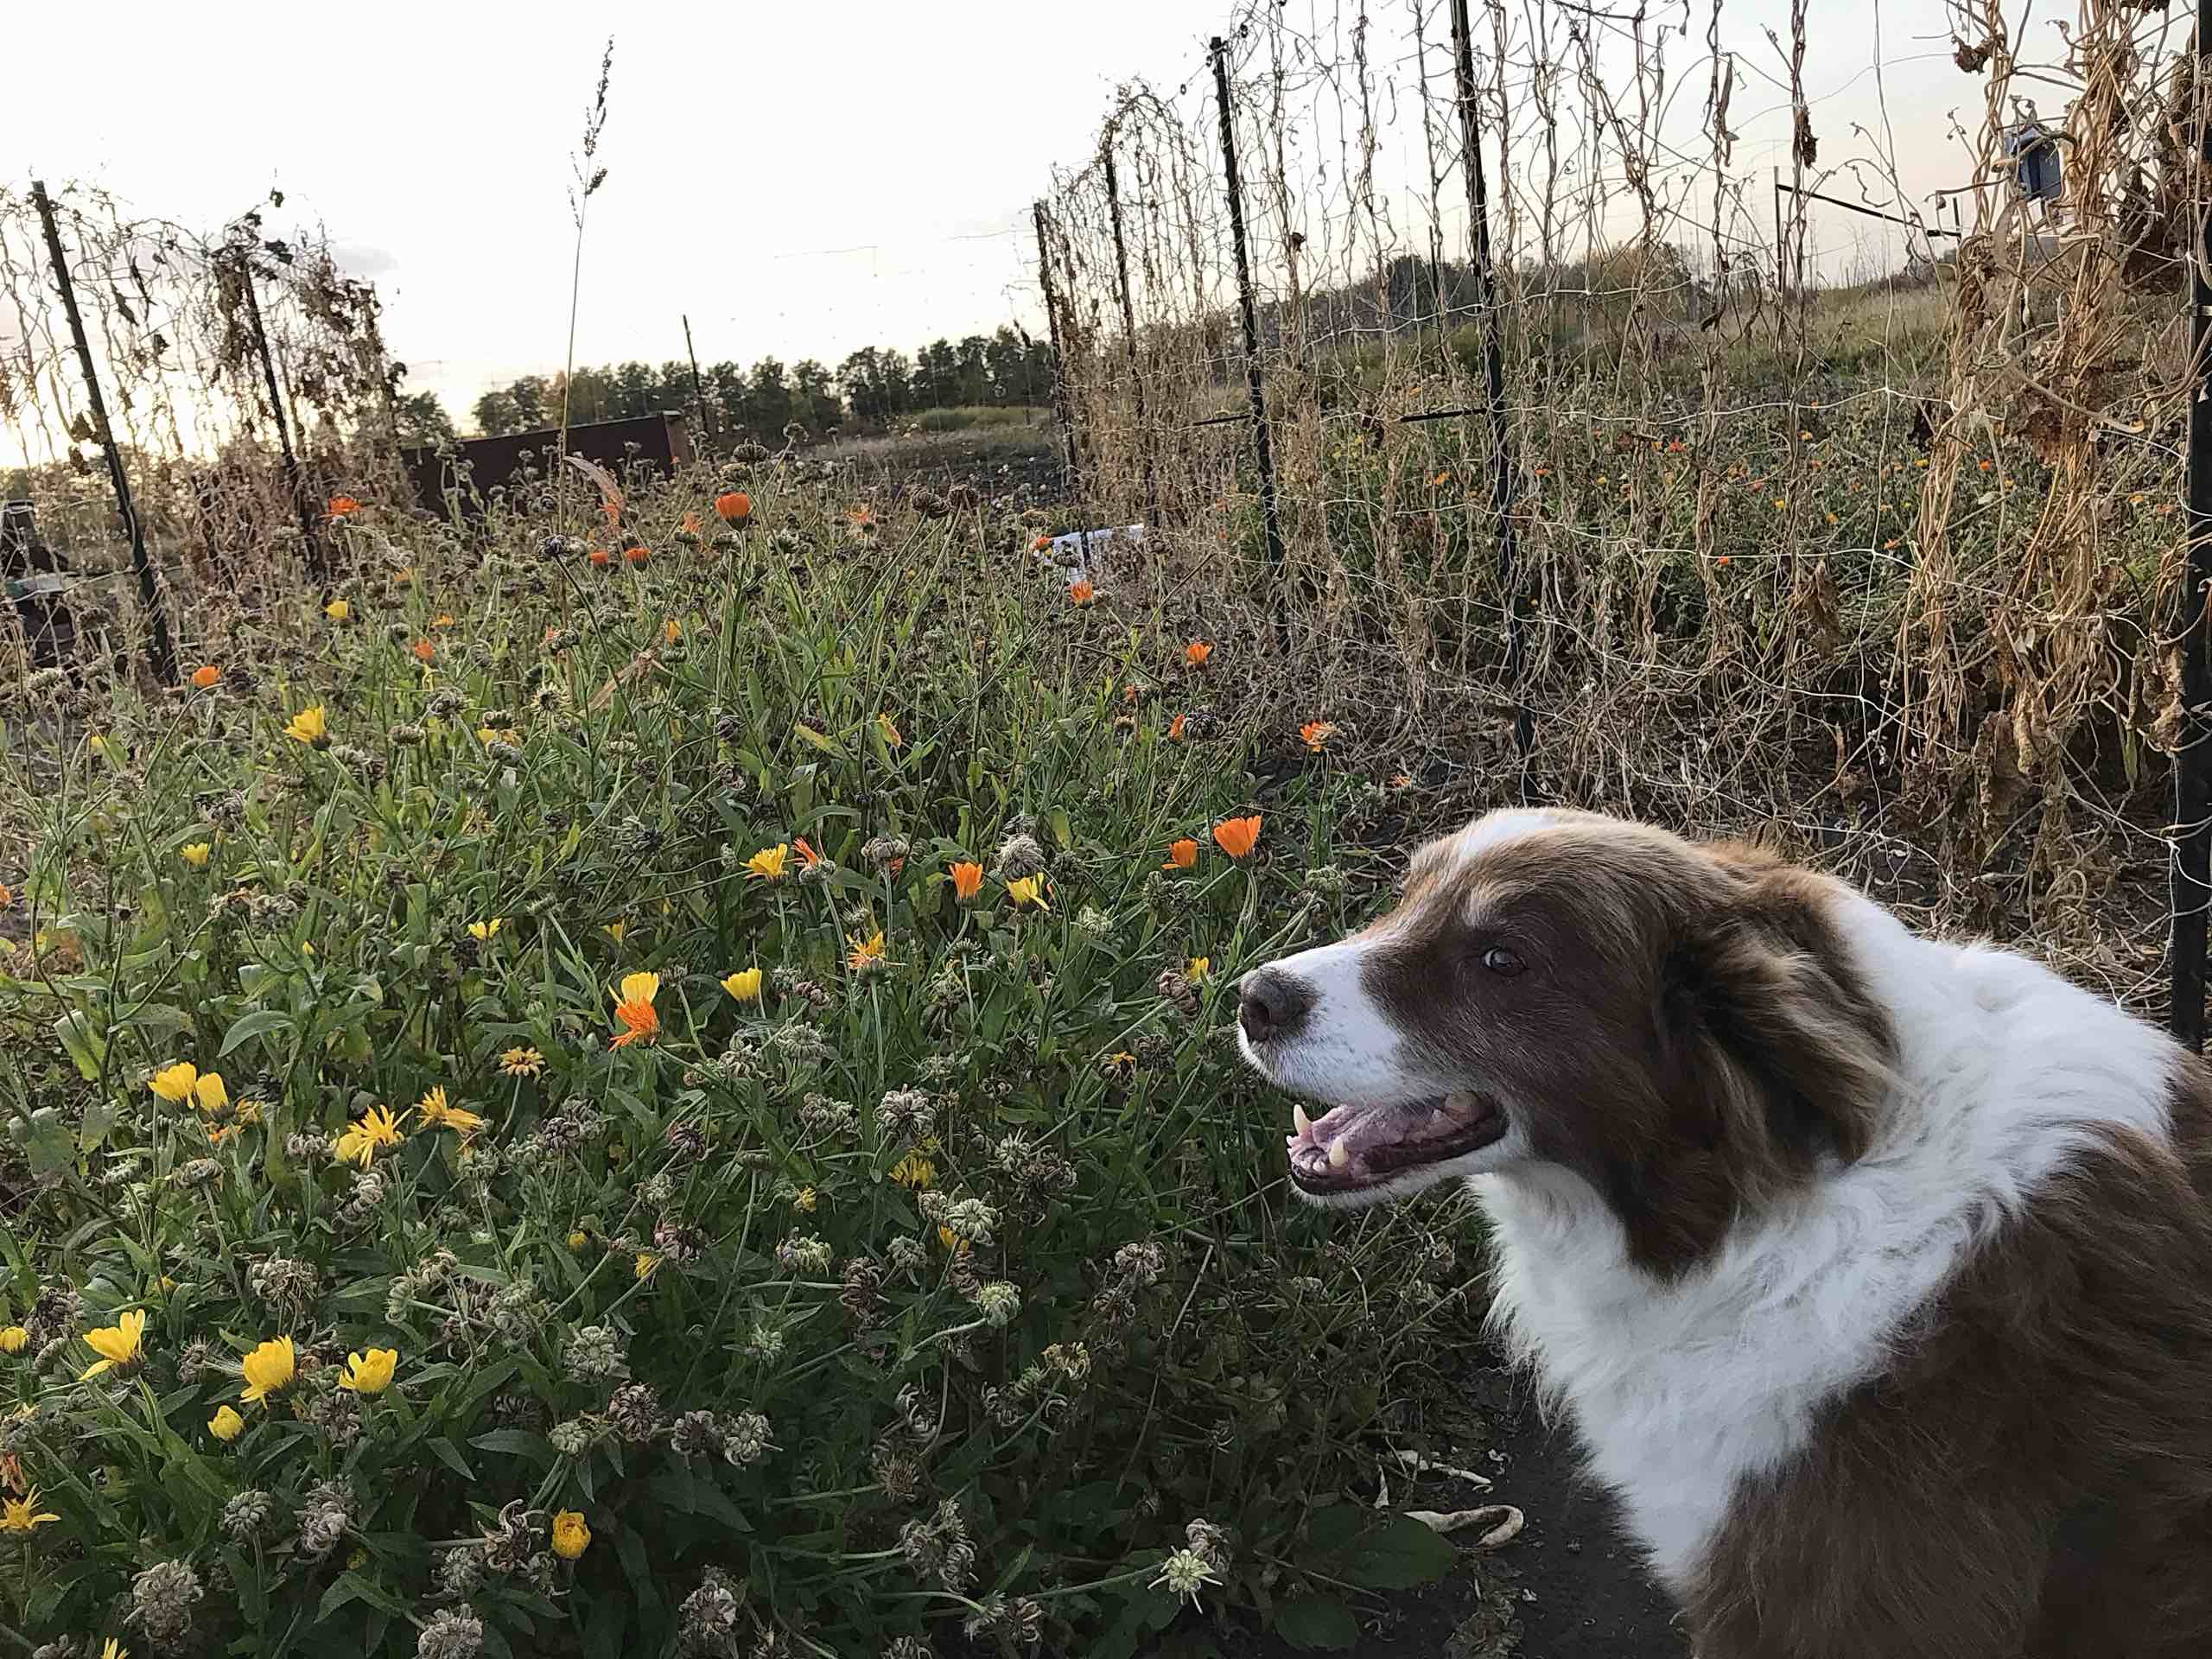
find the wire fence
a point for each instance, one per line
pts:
(1659, 478)
(176, 410)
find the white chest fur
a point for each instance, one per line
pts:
(1681, 1389)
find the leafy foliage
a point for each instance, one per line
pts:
(937, 1283)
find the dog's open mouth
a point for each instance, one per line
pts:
(1352, 1147)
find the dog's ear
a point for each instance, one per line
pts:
(1772, 1025)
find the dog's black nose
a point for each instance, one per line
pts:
(1272, 1005)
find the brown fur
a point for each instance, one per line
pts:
(1694, 1026)
(2032, 1477)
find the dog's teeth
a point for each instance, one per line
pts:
(1303, 1123)
(1338, 1154)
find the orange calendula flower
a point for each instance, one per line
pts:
(807, 855)
(1181, 854)
(600, 557)
(1237, 837)
(733, 506)
(1083, 593)
(1175, 728)
(205, 675)
(633, 1007)
(1196, 653)
(343, 506)
(967, 880)
(424, 651)
(892, 739)
(635, 555)
(1317, 733)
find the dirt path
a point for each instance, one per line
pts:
(1582, 1592)
(1567, 1588)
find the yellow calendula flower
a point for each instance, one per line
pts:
(21, 1514)
(14, 1339)
(616, 929)
(196, 854)
(437, 1113)
(114, 1650)
(485, 932)
(1201, 970)
(1029, 890)
(914, 1172)
(571, 1537)
(522, 1063)
(578, 1240)
(267, 1368)
(864, 953)
(376, 1129)
(744, 984)
(805, 1200)
(891, 738)
(174, 1083)
(768, 863)
(225, 1425)
(309, 726)
(208, 1093)
(370, 1373)
(952, 1241)
(338, 610)
(121, 1343)
(645, 1263)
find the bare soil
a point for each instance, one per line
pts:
(1568, 1588)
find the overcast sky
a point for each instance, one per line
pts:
(804, 180)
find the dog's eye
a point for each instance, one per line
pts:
(1501, 961)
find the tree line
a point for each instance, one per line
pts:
(871, 388)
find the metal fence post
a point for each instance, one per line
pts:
(2192, 853)
(1129, 329)
(1063, 404)
(1256, 386)
(698, 388)
(1501, 457)
(318, 556)
(161, 655)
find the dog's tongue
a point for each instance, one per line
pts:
(1345, 1137)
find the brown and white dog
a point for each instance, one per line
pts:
(1875, 1272)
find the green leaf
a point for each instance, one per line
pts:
(354, 1586)
(84, 1042)
(449, 1454)
(46, 1143)
(261, 1020)
(1314, 1623)
(1397, 1554)
(516, 1442)
(807, 734)
(1332, 1526)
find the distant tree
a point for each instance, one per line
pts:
(422, 419)
(878, 386)
(493, 412)
(1003, 360)
(815, 404)
(936, 375)
(972, 376)
(536, 406)
(768, 404)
